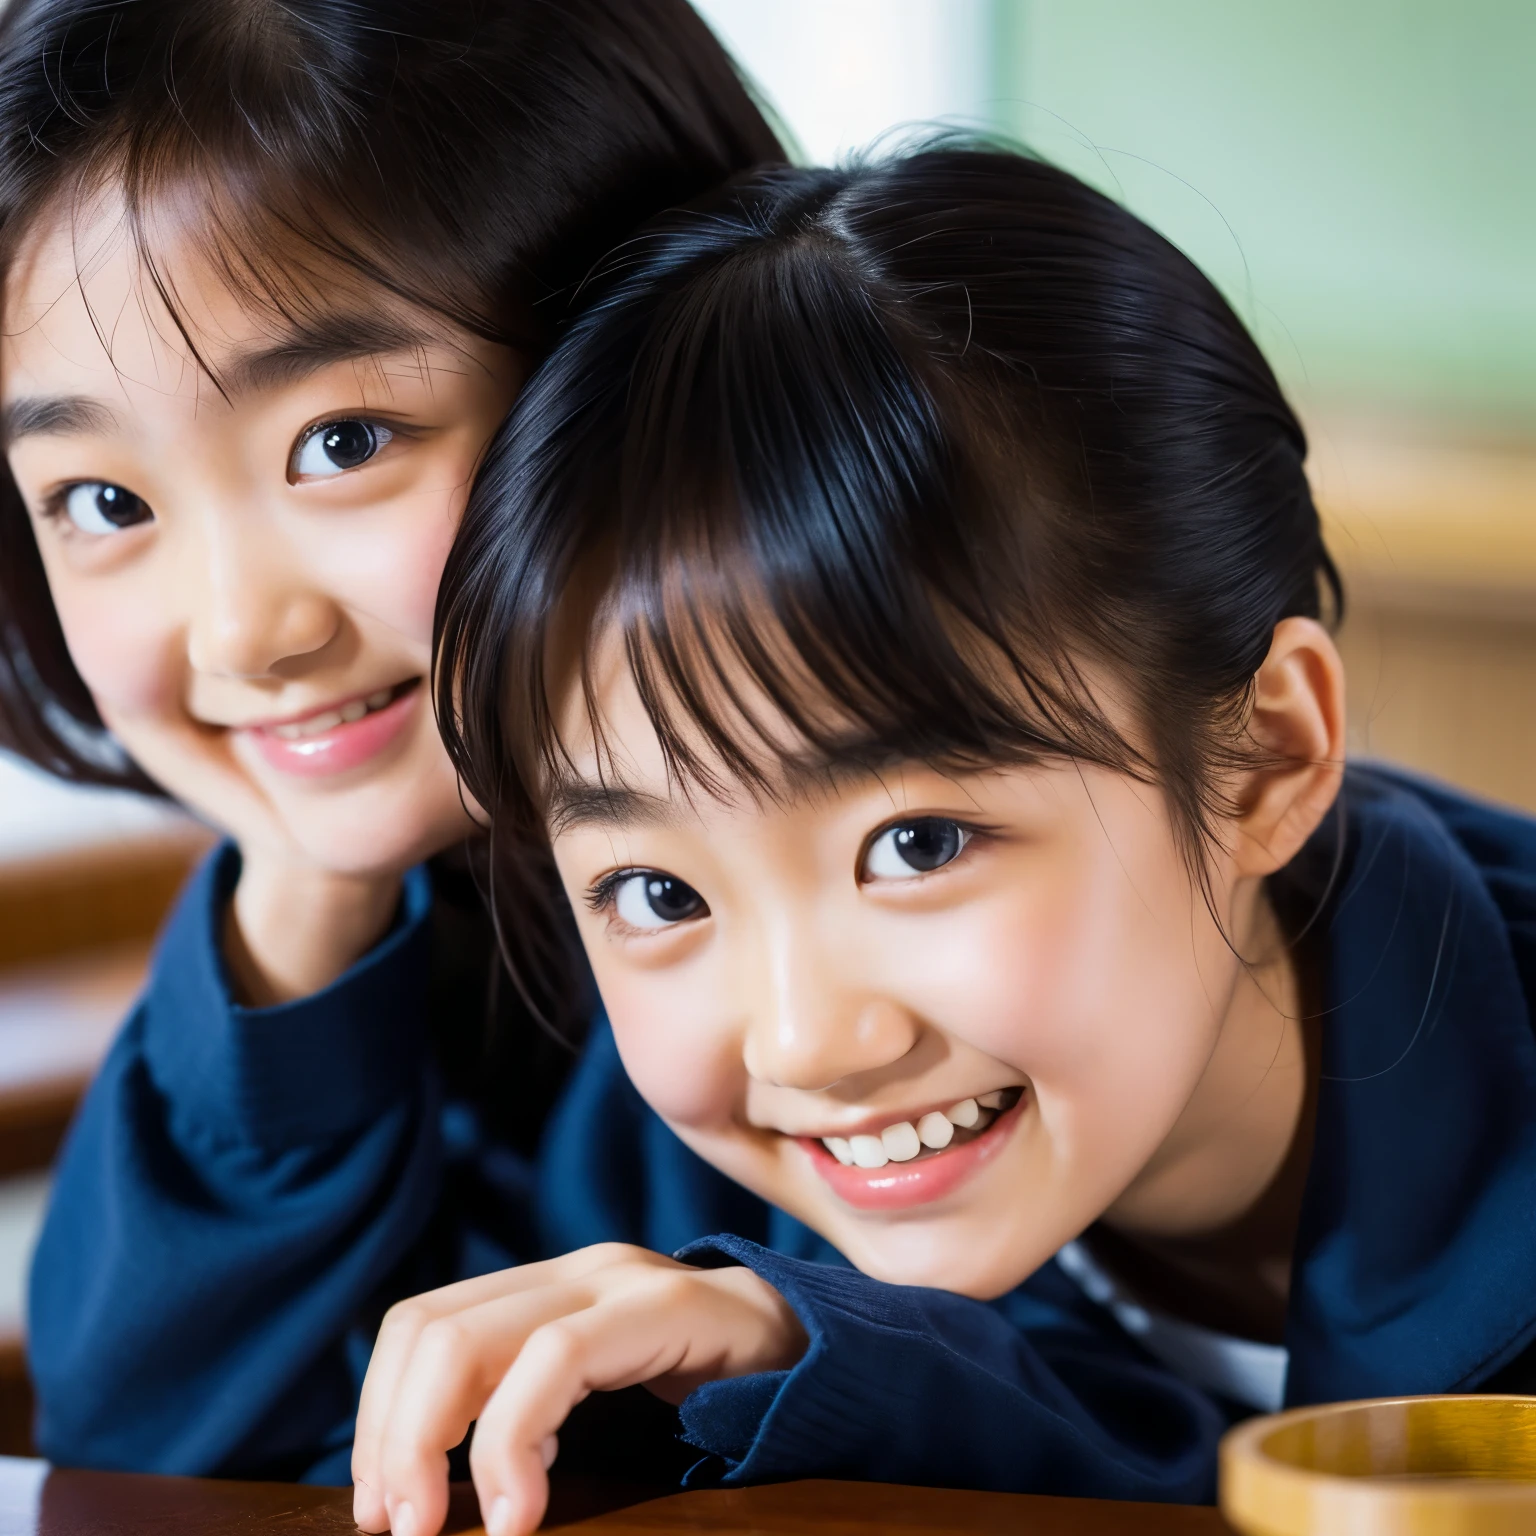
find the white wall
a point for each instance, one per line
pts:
(40, 815)
(840, 73)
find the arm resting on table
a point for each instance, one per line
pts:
(237, 1184)
(904, 1384)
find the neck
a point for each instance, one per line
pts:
(1227, 1147)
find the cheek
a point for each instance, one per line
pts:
(125, 645)
(394, 575)
(677, 1047)
(1088, 982)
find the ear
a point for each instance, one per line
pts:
(1298, 724)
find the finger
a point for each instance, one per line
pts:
(615, 1343)
(455, 1364)
(392, 1350)
(397, 1339)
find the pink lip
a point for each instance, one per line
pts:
(899, 1186)
(342, 747)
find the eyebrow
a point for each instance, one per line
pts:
(53, 416)
(308, 349)
(582, 803)
(316, 345)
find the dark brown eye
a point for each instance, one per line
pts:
(650, 899)
(97, 506)
(339, 446)
(914, 848)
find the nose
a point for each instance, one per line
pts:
(252, 608)
(815, 1025)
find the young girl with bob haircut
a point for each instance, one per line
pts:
(900, 606)
(273, 273)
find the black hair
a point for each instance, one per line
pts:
(473, 157)
(919, 451)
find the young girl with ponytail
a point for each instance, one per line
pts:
(899, 607)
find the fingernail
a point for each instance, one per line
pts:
(499, 1521)
(402, 1519)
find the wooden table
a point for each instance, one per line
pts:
(35, 1502)
(1437, 543)
(75, 932)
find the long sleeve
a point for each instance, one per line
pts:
(237, 1185)
(905, 1384)
(610, 1170)
(1040, 1391)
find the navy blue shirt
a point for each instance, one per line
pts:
(246, 1190)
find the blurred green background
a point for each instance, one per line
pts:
(1358, 175)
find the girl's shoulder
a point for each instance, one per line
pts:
(1497, 841)
(1412, 1265)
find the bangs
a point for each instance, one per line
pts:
(943, 459)
(812, 547)
(760, 686)
(312, 282)
(250, 154)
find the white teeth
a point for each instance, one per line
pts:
(349, 713)
(934, 1130)
(314, 726)
(901, 1142)
(965, 1114)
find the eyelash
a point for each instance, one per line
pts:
(54, 504)
(600, 894)
(397, 429)
(975, 833)
(393, 430)
(599, 897)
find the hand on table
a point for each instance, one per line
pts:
(517, 1350)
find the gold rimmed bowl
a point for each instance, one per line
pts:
(1403, 1466)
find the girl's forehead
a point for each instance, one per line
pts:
(740, 740)
(724, 732)
(82, 263)
(615, 770)
(92, 301)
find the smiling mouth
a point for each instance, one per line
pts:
(337, 738)
(938, 1131)
(329, 719)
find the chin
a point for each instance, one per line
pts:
(370, 837)
(942, 1255)
(933, 1267)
